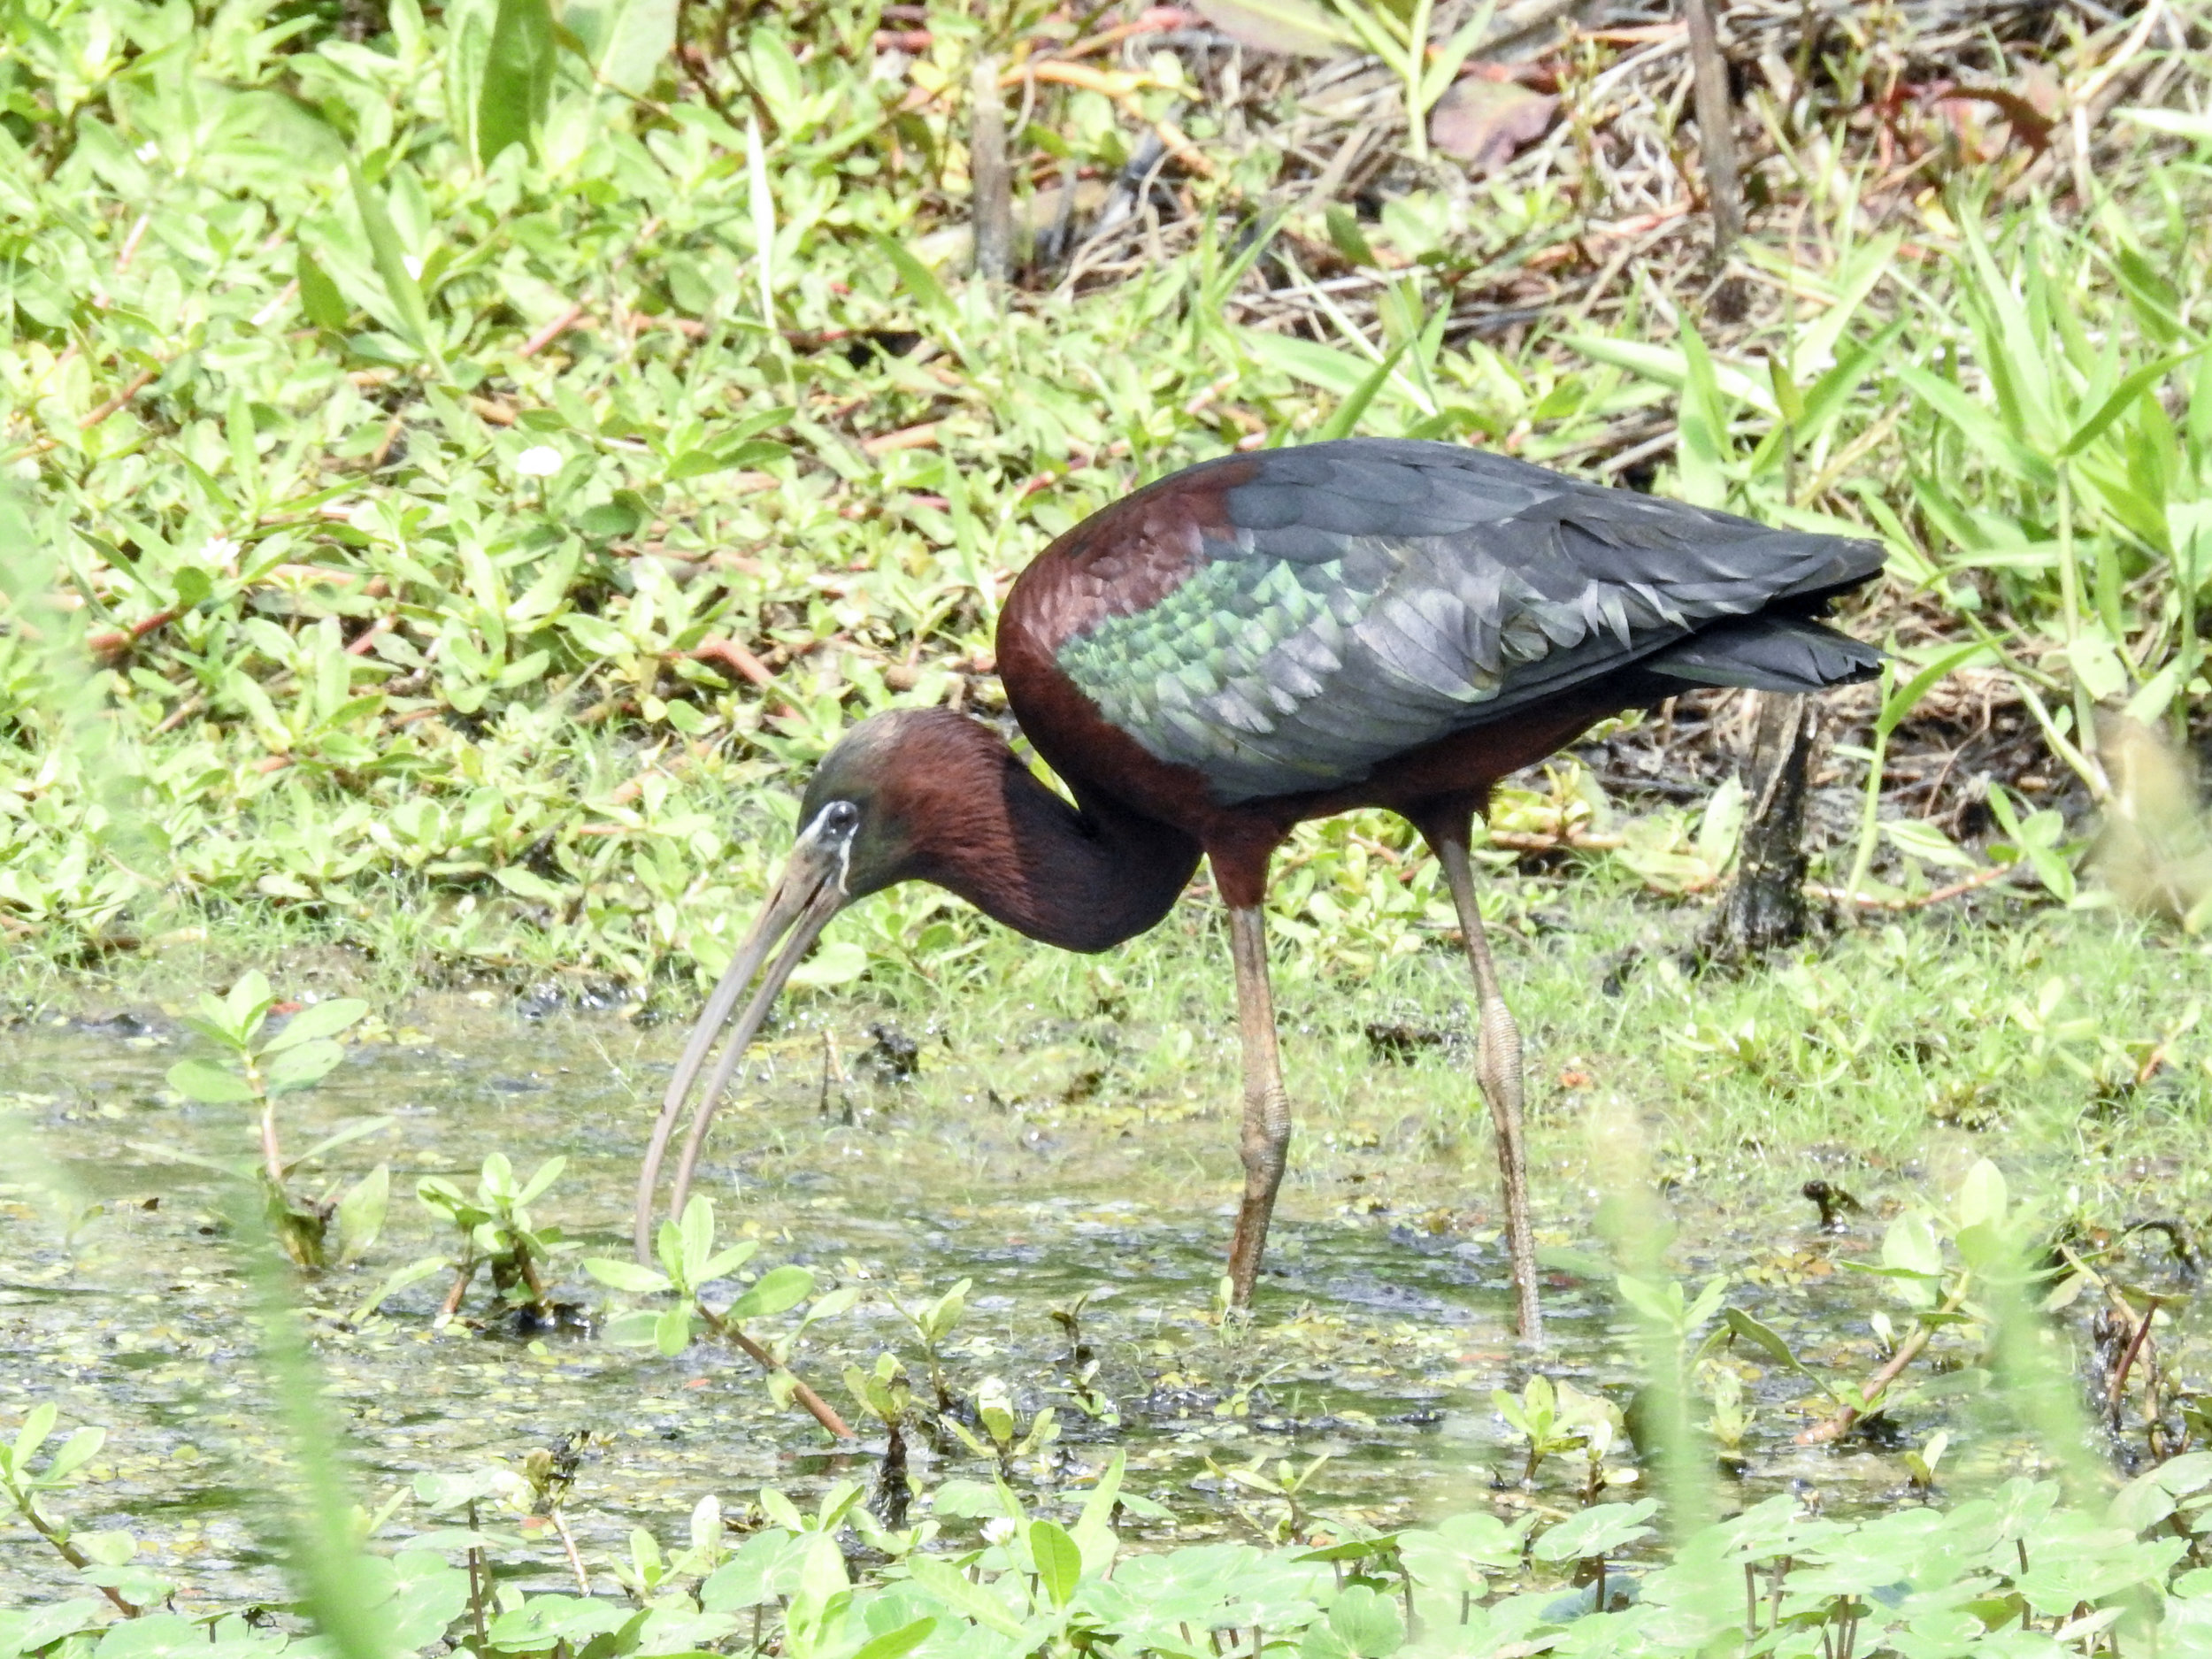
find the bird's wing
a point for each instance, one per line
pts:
(1358, 599)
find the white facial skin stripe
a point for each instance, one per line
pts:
(816, 832)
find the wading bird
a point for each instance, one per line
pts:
(1266, 639)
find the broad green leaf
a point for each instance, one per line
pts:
(361, 1213)
(626, 1276)
(671, 1331)
(302, 1066)
(1600, 1530)
(945, 1583)
(1059, 1563)
(1982, 1195)
(37, 1426)
(319, 299)
(778, 1289)
(894, 1643)
(317, 1019)
(623, 40)
(518, 78)
(545, 1175)
(696, 1232)
(73, 1453)
(210, 1084)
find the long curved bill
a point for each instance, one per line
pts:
(811, 890)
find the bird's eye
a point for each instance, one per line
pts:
(840, 819)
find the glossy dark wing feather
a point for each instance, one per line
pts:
(1358, 599)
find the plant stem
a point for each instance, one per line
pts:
(1838, 1425)
(575, 1563)
(1416, 71)
(817, 1407)
(27, 1507)
(1870, 813)
(271, 1158)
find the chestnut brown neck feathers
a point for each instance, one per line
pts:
(959, 809)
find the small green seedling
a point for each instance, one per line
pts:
(103, 1558)
(1285, 1482)
(1003, 1439)
(497, 1232)
(689, 1262)
(258, 1073)
(1922, 1463)
(885, 1395)
(1535, 1415)
(933, 1323)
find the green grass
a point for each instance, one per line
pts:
(296, 619)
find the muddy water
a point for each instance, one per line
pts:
(1383, 1324)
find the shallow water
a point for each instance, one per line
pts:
(1382, 1324)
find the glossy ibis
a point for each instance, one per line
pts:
(1266, 639)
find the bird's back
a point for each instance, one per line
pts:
(1282, 623)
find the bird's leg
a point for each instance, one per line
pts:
(1498, 1069)
(1266, 1137)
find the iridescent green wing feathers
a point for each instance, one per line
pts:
(1369, 596)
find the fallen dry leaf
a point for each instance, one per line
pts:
(1483, 122)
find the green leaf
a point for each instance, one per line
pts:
(777, 1290)
(2122, 398)
(210, 1084)
(518, 78)
(36, 1426)
(1059, 1563)
(319, 1019)
(624, 41)
(390, 258)
(246, 1005)
(1909, 1246)
(1982, 1195)
(361, 1213)
(626, 1276)
(1366, 1623)
(944, 1582)
(1600, 1530)
(672, 1331)
(698, 463)
(73, 1453)
(302, 1067)
(345, 1134)
(1345, 416)
(546, 1174)
(413, 1273)
(1906, 697)
(917, 279)
(893, 1643)
(319, 299)
(728, 1261)
(696, 1235)
(638, 1328)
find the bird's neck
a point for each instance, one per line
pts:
(1083, 879)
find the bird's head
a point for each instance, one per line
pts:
(862, 825)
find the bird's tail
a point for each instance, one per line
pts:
(1768, 653)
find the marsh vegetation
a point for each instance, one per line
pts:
(464, 466)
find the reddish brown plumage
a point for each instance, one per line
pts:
(1122, 559)
(1127, 559)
